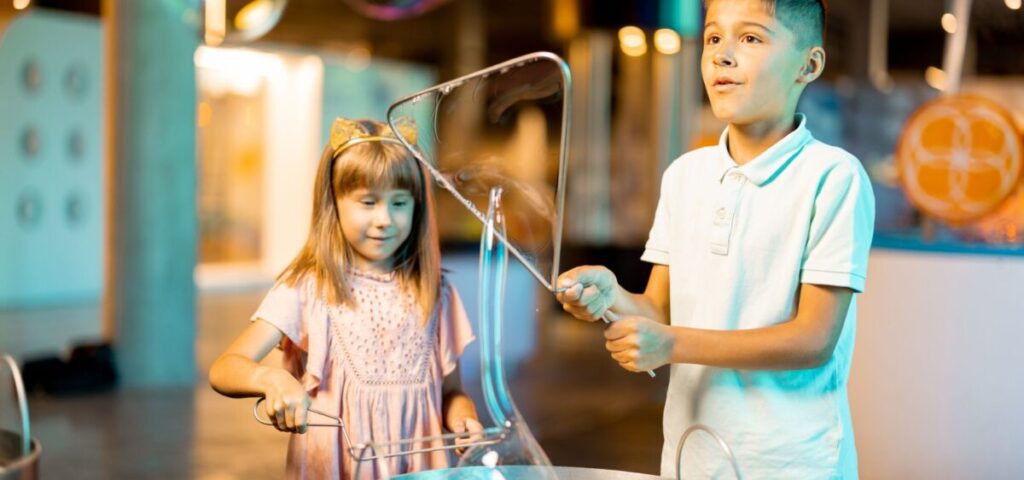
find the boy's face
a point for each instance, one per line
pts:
(752, 64)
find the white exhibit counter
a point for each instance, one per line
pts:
(937, 387)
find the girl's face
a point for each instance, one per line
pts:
(376, 222)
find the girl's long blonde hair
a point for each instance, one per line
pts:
(326, 256)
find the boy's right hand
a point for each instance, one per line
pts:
(287, 402)
(589, 291)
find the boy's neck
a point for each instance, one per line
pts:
(746, 142)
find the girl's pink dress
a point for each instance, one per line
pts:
(374, 365)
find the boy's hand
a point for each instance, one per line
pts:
(589, 291)
(287, 402)
(639, 343)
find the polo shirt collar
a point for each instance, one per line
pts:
(763, 167)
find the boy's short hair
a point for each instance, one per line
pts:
(806, 18)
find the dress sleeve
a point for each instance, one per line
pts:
(282, 308)
(454, 330)
(303, 321)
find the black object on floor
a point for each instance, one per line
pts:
(89, 369)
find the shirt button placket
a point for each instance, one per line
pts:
(725, 212)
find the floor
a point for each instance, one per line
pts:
(582, 408)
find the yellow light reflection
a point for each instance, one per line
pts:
(254, 14)
(566, 18)
(21, 4)
(949, 23)
(936, 78)
(632, 41)
(666, 41)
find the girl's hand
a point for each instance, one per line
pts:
(587, 292)
(287, 402)
(471, 425)
(460, 417)
(639, 344)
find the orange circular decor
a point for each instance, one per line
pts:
(959, 157)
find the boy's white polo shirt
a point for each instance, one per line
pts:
(739, 240)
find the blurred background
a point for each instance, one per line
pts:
(156, 158)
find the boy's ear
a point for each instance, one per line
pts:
(814, 64)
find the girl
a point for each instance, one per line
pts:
(371, 331)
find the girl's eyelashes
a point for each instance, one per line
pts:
(751, 38)
(370, 200)
(401, 200)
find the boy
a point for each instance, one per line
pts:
(758, 246)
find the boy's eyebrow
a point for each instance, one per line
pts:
(758, 25)
(745, 24)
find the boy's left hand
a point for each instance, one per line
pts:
(639, 344)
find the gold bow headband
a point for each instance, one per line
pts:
(345, 133)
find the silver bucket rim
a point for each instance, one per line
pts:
(30, 447)
(24, 460)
